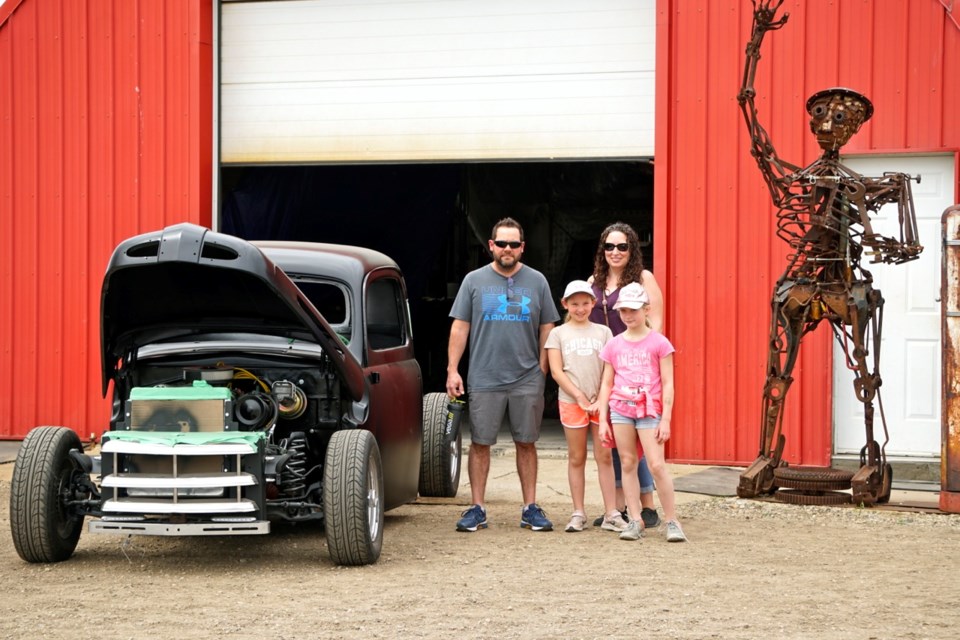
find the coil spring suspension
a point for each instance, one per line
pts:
(293, 477)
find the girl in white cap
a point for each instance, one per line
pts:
(573, 350)
(636, 401)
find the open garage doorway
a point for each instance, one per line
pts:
(434, 220)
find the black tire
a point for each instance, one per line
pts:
(439, 459)
(812, 478)
(353, 498)
(42, 527)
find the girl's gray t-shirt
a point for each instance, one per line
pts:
(505, 315)
(580, 347)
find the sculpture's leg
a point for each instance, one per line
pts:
(790, 308)
(871, 483)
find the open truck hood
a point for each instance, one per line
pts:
(187, 280)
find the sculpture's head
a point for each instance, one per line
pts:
(836, 114)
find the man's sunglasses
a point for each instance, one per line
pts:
(503, 244)
(609, 246)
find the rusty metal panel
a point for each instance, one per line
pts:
(714, 225)
(105, 131)
(950, 302)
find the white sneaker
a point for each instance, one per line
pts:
(674, 532)
(577, 522)
(614, 523)
(632, 531)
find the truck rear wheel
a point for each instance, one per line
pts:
(440, 455)
(353, 498)
(43, 527)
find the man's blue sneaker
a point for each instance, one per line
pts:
(535, 519)
(472, 519)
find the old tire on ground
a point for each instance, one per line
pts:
(812, 478)
(43, 528)
(439, 459)
(353, 498)
(823, 498)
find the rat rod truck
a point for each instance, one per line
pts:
(251, 382)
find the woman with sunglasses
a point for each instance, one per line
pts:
(618, 262)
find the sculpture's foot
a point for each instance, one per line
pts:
(871, 484)
(757, 479)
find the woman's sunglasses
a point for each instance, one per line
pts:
(503, 244)
(609, 246)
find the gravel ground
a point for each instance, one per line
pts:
(751, 570)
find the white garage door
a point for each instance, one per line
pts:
(306, 81)
(910, 348)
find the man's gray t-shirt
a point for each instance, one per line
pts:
(505, 315)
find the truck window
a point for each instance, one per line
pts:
(385, 317)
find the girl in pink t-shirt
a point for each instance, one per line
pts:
(636, 401)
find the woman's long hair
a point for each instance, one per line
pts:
(633, 272)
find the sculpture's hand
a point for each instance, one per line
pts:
(764, 14)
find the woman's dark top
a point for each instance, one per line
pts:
(603, 312)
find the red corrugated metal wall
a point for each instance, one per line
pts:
(105, 131)
(714, 223)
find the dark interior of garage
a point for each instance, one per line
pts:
(434, 220)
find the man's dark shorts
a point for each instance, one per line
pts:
(522, 405)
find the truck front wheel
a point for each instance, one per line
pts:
(353, 498)
(44, 528)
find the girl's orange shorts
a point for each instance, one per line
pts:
(573, 417)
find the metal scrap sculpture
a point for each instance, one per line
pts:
(824, 216)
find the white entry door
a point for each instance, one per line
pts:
(910, 345)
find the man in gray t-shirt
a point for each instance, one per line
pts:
(507, 312)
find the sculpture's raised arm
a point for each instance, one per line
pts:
(774, 169)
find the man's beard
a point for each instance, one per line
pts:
(502, 261)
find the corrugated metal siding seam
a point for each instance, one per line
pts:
(719, 227)
(151, 91)
(176, 79)
(101, 159)
(76, 281)
(929, 29)
(694, 187)
(6, 212)
(950, 70)
(690, 236)
(201, 104)
(49, 244)
(26, 170)
(128, 150)
(722, 227)
(890, 73)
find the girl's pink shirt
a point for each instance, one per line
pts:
(637, 364)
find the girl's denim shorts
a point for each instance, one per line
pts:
(638, 423)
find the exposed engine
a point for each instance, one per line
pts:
(291, 412)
